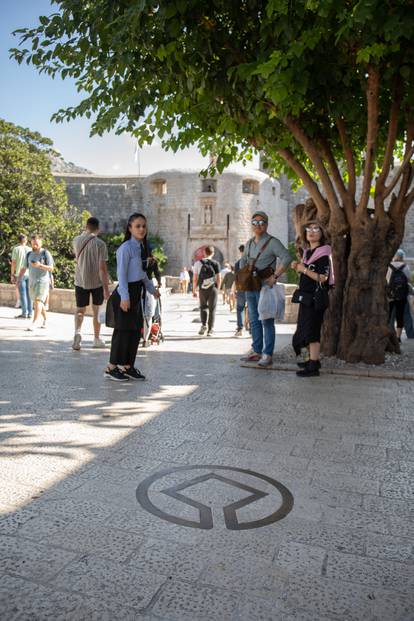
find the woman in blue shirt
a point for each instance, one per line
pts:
(126, 303)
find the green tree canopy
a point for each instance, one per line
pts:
(325, 88)
(32, 202)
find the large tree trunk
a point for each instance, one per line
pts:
(331, 328)
(355, 326)
(364, 334)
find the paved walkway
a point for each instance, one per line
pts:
(209, 492)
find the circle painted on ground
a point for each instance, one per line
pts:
(230, 511)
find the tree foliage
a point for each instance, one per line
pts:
(32, 202)
(324, 88)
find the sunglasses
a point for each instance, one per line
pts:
(258, 222)
(313, 229)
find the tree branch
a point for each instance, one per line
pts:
(310, 149)
(346, 198)
(391, 138)
(372, 133)
(308, 182)
(349, 156)
(396, 210)
(408, 154)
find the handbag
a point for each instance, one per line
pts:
(321, 298)
(247, 278)
(110, 308)
(302, 297)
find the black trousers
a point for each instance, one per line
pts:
(127, 327)
(208, 300)
(399, 306)
(124, 347)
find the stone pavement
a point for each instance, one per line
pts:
(209, 492)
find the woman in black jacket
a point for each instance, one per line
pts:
(315, 269)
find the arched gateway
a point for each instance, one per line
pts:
(199, 254)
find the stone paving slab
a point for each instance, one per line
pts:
(76, 544)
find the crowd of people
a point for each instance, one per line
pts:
(247, 286)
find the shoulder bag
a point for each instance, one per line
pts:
(247, 278)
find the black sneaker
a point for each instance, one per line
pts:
(134, 374)
(116, 375)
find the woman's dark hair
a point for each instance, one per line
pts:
(131, 218)
(324, 236)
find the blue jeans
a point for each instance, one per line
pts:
(259, 327)
(25, 301)
(241, 303)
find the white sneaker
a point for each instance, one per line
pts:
(99, 343)
(17, 305)
(265, 361)
(76, 345)
(44, 324)
(32, 328)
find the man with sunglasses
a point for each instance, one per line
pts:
(263, 251)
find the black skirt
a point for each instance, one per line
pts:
(308, 329)
(131, 320)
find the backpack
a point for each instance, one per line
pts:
(207, 275)
(397, 288)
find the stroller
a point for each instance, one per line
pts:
(156, 336)
(152, 333)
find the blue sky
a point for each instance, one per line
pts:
(29, 99)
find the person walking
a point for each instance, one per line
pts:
(91, 279)
(207, 280)
(315, 271)
(184, 280)
(18, 261)
(226, 285)
(40, 264)
(263, 251)
(398, 278)
(240, 297)
(124, 309)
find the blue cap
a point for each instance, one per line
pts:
(400, 253)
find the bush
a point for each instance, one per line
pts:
(292, 277)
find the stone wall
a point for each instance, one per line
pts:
(63, 300)
(175, 203)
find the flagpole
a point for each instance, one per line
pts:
(137, 158)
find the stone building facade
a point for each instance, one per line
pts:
(185, 210)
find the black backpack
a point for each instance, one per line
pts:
(207, 272)
(397, 288)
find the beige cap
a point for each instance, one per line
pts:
(262, 214)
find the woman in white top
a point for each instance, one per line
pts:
(184, 280)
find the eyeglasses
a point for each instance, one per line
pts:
(258, 222)
(313, 229)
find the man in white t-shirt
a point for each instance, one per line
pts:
(91, 279)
